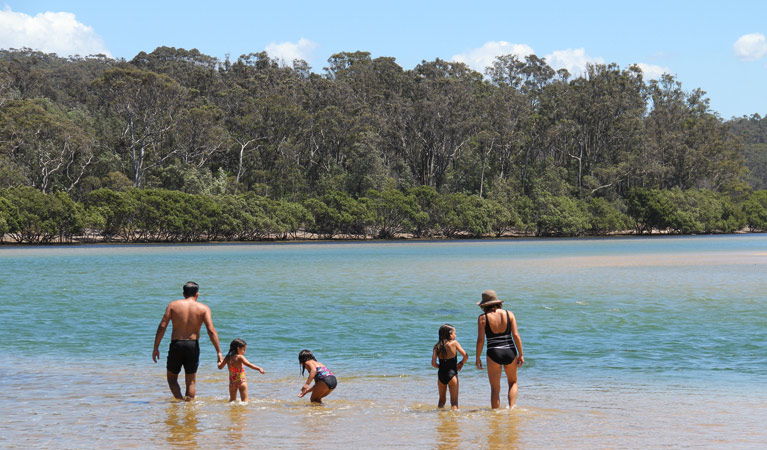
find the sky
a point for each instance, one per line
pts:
(719, 47)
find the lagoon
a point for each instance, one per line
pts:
(629, 342)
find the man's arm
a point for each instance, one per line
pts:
(160, 333)
(208, 321)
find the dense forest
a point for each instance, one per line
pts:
(174, 145)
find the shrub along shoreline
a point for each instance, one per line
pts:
(28, 216)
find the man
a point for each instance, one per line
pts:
(187, 316)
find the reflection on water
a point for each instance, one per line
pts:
(237, 421)
(502, 429)
(448, 430)
(182, 424)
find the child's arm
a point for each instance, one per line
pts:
(304, 392)
(464, 356)
(305, 389)
(222, 363)
(434, 358)
(252, 366)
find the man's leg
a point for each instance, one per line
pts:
(190, 390)
(175, 389)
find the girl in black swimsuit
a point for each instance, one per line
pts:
(504, 347)
(446, 351)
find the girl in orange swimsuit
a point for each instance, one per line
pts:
(236, 361)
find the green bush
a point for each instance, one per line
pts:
(561, 216)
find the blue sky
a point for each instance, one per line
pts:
(720, 47)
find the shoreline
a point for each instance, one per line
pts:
(306, 237)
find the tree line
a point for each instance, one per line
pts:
(175, 145)
(28, 215)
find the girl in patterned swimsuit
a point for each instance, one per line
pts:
(235, 359)
(324, 380)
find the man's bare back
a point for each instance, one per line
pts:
(187, 316)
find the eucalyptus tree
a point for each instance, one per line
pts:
(688, 145)
(201, 135)
(444, 118)
(607, 118)
(144, 104)
(752, 132)
(190, 68)
(49, 148)
(531, 96)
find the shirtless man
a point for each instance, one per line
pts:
(187, 316)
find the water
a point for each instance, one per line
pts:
(635, 342)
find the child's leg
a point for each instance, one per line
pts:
(232, 392)
(319, 390)
(453, 385)
(442, 388)
(244, 392)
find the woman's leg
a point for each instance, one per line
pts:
(511, 377)
(494, 376)
(442, 388)
(453, 385)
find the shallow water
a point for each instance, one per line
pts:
(635, 342)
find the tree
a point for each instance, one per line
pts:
(393, 212)
(49, 148)
(650, 209)
(145, 104)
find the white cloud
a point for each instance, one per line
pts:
(574, 60)
(653, 72)
(49, 32)
(481, 58)
(750, 47)
(287, 52)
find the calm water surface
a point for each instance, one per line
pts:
(629, 343)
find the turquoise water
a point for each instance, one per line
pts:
(612, 329)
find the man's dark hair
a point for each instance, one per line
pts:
(191, 289)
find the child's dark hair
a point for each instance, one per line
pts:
(444, 337)
(234, 346)
(303, 356)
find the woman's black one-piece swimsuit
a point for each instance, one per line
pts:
(448, 368)
(500, 346)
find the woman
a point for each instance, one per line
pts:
(504, 347)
